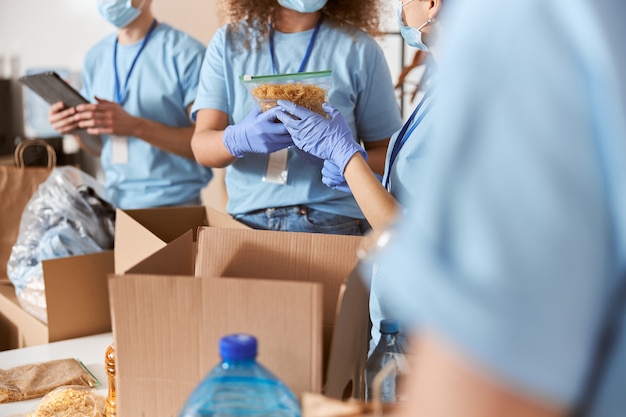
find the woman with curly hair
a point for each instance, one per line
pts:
(288, 36)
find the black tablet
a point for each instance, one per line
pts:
(52, 88)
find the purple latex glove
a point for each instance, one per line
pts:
(257, 133)
(328, 139)
(332, 177)
(308, 158)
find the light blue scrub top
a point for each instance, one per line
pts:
(361, 88)
(515, 242)
(162, 85)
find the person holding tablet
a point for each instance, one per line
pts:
(141, 82)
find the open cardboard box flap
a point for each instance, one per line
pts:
(140, 233)
(269, 284)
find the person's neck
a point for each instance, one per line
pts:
(290, 21)
(136, 30)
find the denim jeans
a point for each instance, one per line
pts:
(304, 219)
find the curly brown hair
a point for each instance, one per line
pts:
(250, 16)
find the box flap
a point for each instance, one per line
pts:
(77, 295)
(140, 233)
(310, 257)
(159, 321)
(177, 258)
(217, 218)
(348, 352)
(17, 186)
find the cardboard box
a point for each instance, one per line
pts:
(76, 301)
(140, 233)
(282, 287)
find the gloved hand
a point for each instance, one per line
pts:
(308, 158)
(328, 139)
(257, 133)
(332, 177)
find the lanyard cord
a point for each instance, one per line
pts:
(307, 54)
(118, 91)
(407, 130)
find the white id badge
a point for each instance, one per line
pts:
(119, 150)
(276, 172)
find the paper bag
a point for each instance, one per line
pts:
(17, 185)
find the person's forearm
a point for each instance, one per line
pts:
(444, 383)
(209, 150)
(176, 140)
(378, 206)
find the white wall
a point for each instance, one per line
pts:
(58, 33)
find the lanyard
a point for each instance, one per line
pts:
(118, 92)
(407, 130)
(307, 54)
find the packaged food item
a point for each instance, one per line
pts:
(306, 89)
(70, 401)
(33, 381)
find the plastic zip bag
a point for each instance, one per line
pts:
(36, 380)
(306, 89)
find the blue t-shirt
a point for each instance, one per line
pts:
(361, 89)
(515, 242)
(161, 87)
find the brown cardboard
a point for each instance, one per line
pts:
(168, 342)
(76, 298)
(167, 328)
(140, 233)
(327, 259)
(17, 186)
(351, 332)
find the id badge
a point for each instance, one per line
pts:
(119, 150)
(276, 172)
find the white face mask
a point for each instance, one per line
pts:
(119, 13)
(303, 6)
(412, 36)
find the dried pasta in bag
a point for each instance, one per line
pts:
(36, 380)
(306, 89)
(71, 401)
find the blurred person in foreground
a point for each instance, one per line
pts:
(142, 81)
(511, 263)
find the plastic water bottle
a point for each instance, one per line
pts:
(240, 386)
(387, 349)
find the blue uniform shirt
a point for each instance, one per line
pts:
(361, 89)
(162, 86)
(515, 241)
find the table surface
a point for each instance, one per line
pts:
(89, 350)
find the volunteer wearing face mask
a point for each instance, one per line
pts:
(344, 166)
(142, 81)
(280, 37)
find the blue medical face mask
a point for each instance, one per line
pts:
(412, 36)
(119, 13)
(303, 6)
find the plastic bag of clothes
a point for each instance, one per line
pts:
(66, 216)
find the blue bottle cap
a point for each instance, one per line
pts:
(238, 346)
(388, 326)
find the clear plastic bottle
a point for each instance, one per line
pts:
(387, 349)
(240, 386)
